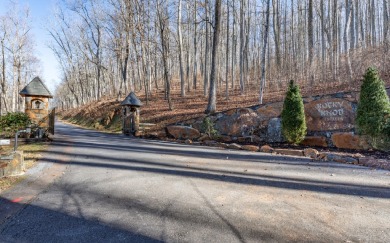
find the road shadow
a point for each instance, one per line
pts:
(37, 224)
(110, 148)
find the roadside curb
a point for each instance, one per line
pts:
(308, 153)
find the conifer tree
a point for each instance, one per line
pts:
(293, 115)
(373, 107)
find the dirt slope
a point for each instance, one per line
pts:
(105, 114)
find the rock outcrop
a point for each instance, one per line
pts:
(330, 121)
(315, 141)
(350, 141)
(183, 132)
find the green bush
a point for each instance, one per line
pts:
(382, 142)
(12, 122)
(386, 130)
(293, 115)
(208, 128)
(373, 107)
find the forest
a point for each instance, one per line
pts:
(215, 48)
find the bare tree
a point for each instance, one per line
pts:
(180, 41)
(195, 47)
(276, 27)
(212, 104)
(163, 25)
(242, 43)
(319, 43)
(227, 51)
(3, 84)
(206, 55)
(17, 56)
(385, 21)
(263, 54)
(348, 16)
(310, 28)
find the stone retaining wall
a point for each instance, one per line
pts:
(330, 122)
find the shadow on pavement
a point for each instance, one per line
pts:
(47, 224)
(110, 145)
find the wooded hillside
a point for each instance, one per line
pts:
(109, 48)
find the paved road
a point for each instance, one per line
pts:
(96, 187)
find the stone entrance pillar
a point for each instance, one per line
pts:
(131, 114)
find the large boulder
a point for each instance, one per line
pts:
(156, 134)
(310, 152)
(274, 131)
(266, 149)
(350, 141)
(353, 97)
(183, 132)
(234, 146)
(316, 141)
(375, 162)
(204, 137)
(252, 148)
(268, 112)
(242, 122)
(291, 152)
(224, 138)
(329, 114)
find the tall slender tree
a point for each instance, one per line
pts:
(180, 41)
(263, 54)
(212, 104)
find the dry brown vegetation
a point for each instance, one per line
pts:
(193, 105)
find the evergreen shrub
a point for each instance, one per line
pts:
(293, 115)
(208, 127)
(373, 110)
(12, 122)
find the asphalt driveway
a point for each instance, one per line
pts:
(98, 187)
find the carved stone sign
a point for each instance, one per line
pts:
(329, 114)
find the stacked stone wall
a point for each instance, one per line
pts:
(330, 122)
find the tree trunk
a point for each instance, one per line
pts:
(234, 44)
(263, 54)
(310, 32)
(188, 56)
(242, 43)
(385, 21)
(211, 107)
(180, 40)
(195, 50)
(373, 25)
(163, 19)
(3, 82)
(206, 54)
(346, 31)
(276, 27)
(227, 51)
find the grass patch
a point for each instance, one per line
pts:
(32, 153)
(8, 181)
